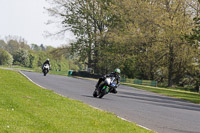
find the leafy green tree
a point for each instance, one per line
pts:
(12, 46)
(15, 44)
(42, 47)
(2, 44)
(5, 58)
(151, 31)
(143, 38)
(49, 48)
(88, 20)
(33, 58)
(35, 47)
(194, 39)
(21, 57)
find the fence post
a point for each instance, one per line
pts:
(154, 83)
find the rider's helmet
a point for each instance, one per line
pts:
(47, 59)
(117, 70)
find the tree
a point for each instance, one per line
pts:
(194, 39)
(33, 58)
(12, 46)
(88, 20)
(144, 38)
(35, 47)
(15, 43)
(21, 57)
(42, 47)
(2, 44)
(5, 58)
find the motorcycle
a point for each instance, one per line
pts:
(105, 87)
(45, 69)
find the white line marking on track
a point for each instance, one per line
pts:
(122, 118)
(31, 80)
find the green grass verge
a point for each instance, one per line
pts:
(63, 73)
(15, 67)
(181, 94)
(25, 107)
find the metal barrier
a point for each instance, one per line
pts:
(123, 80)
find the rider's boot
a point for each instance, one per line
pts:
(113, 91)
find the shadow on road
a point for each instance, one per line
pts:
(183, 131)
(95, 97)
(161, 101)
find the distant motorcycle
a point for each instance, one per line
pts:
(105, 87)
(45, 69)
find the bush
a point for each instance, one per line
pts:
(5, 58)
(21, 56)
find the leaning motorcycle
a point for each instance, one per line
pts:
(105, 87)
(45, 69)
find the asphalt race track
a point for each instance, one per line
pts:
(156, 112)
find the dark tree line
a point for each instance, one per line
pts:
(146, 39)
(16, 51)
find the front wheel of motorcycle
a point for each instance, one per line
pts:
(95, 93)
(103, 92)
(44, 74)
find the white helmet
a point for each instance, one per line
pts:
(117, 70)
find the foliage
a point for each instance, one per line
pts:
(35, 47)
(5, 58)
(21, 57)
(146, 39)
(16, 43)
(2, 44)
(34, 56)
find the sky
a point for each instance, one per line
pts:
(27, 19)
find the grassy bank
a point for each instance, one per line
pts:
(15, 67)
(25, 107)
(181, 94)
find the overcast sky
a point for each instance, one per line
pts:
(27, 19)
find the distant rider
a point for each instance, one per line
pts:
(113, 74)
(46, 62)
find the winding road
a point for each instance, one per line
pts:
(156, 112)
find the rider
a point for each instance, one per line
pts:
(46, 62)
(113, 74)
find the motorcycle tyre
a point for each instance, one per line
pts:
(102, 92)
(95, 93)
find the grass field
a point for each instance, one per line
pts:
(27, 108)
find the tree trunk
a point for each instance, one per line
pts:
(151, 72)
(89, 52)
(170, 67)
